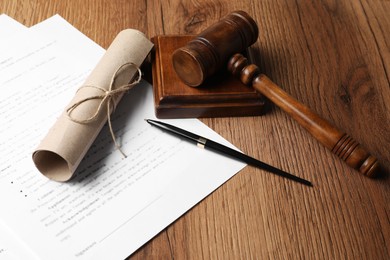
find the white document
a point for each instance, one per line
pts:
(11, 248)
(115, 204)
(9, 26)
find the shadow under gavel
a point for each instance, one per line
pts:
(215, 46)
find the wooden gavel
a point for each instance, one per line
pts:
(217, 46)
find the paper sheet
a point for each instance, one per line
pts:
(9, 27)
(11, 248)
(113, 205)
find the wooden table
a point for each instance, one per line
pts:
(334, 56)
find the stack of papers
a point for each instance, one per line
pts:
(114, 205)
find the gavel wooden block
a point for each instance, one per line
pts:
(221, 95)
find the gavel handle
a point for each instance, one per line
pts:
(338, 142)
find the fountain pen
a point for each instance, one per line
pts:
(217, 147)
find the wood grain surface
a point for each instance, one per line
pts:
(333, 56)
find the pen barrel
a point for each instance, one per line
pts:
(338, 142)
(220, 148)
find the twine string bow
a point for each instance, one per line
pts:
(108, 98)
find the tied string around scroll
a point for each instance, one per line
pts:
(107, 97)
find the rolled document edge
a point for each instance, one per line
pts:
(61, 151)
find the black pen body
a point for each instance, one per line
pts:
(217, 147)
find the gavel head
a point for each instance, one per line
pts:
(212, 48)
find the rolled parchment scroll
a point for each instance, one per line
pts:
(66, 143)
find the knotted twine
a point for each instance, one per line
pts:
(107, 97)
